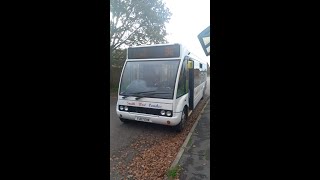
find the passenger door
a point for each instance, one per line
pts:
(190, 83)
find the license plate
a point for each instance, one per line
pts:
(144, 119)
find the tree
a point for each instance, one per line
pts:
(118, 57)
(136, 22)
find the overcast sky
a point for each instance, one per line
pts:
(189, 18)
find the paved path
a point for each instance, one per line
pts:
(195, 161)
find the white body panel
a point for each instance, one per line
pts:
(198, 93)
(146, 103)
(153, 103)
(174, 120)
(176, 105)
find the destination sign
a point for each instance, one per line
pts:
(167, 51)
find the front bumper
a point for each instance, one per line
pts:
(174, 120)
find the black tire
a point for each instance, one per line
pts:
(183, 121)
(124, 120)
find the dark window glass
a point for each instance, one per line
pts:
(167, 51)
(182, 84)
(155, 79)
(197, 74)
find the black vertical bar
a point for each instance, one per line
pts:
(191, 86)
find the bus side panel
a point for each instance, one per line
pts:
(198, 93)
(180, 103)
(199, 76)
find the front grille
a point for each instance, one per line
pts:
(145, 110)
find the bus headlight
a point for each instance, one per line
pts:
(126, 108)
(162, 112)
(121, 108)
(168, 113)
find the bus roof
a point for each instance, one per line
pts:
(155, 45)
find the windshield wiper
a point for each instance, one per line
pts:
(153, 93)
(133, 94)
(124, 95)
(159, 93)
(138, 93)
(144, 93)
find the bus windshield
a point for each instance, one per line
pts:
(154, 79)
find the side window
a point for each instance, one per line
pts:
(196, 74)
(182, 87)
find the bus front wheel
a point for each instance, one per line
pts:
(183, 121)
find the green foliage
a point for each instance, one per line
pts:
(114, 89)
(173, 172)
(136, 22)
(118, 57)
(189, 142)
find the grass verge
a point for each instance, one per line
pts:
(189, 142)
(173, 173)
